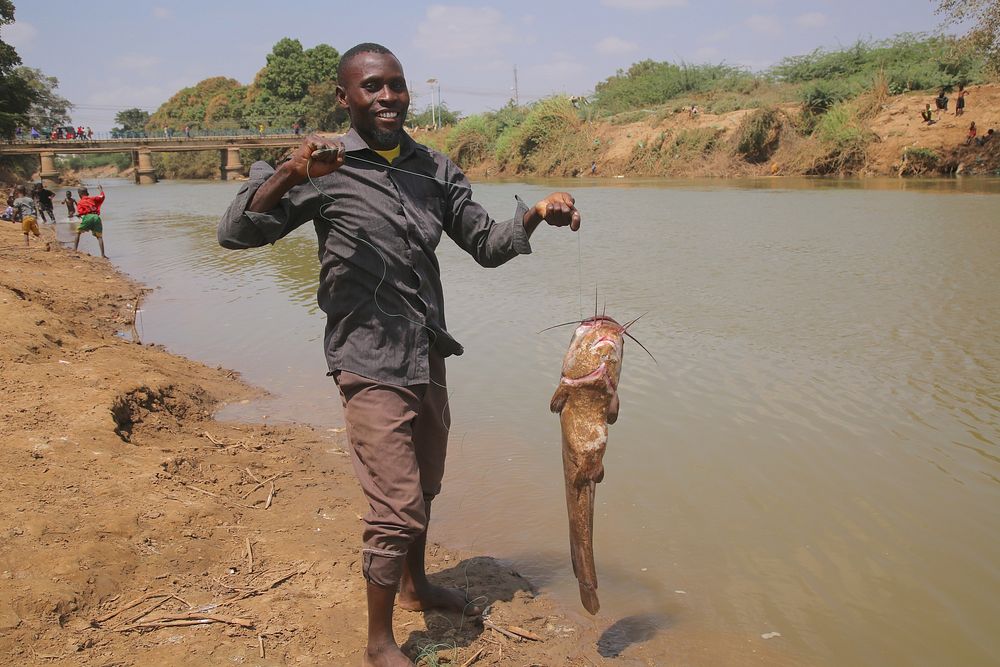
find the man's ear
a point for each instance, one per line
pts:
(341, 97)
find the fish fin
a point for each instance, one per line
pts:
(613, 408)
(599, 477)
(558, 401)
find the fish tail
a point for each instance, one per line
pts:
(580, 502)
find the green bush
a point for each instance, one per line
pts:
(758, 134)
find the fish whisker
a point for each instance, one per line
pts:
(642, 346)
(564, 324)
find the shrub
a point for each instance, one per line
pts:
(758, 134)
(917, 161)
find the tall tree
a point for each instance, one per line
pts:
(16, 96)
(984, 17)
(48, 109)
(131, 120)
(278, 92)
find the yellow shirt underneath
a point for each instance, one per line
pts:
(390, 154)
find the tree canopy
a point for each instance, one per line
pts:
(984, 15)
(16, 96)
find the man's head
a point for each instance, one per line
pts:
(20, 190)
(82, 192)
(371, 86)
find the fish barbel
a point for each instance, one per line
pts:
(587, 401)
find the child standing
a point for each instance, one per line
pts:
(89, 210)
(24, 208)
(70, 205)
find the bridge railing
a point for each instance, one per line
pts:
(174, 135)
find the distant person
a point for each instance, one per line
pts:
(187, 131)
(18, 133)
(34, 133)
(296, 128)
(960, 101)
(260, 130)
(89, 210)
(70, 202)
(983, 140)
(24, 209)
(927, 114)
(972, 134)
(694, 110)
(593, 168)
(44, 196)
(941, 102)
(80, 132)
(90, 133)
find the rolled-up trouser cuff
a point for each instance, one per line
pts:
(382, 568)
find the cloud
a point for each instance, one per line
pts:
(764, 25)
(615, 45)
(161, 13)
(136, 63)
(20, 35)
(462, 32)
(812, 20)
(643, 5)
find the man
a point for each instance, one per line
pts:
(380, 203)
(89, 210)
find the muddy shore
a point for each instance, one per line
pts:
(128, 510)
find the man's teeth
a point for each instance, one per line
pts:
(387, 114)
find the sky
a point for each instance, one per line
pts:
(114, 55)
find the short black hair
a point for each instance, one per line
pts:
(364, 47)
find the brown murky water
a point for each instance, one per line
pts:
(816, 454)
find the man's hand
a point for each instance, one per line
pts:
(557, 210)
(314, 158)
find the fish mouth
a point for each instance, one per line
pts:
(599, 373)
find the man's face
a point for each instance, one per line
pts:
(373, 90)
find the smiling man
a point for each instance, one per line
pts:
(380, 203)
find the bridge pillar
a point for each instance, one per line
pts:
(232, 168)
(145, 173)
(48, 172)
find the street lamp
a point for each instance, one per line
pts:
(435, 114)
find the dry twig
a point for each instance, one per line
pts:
(527, 634)
(474, 657)
(249, 557)
(507, 633)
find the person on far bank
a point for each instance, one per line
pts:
(380, 203)
(960, 101)
(24, 209)
(89, 210)
(971, 136)
(927, 114)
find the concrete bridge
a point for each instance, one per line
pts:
(142, 149)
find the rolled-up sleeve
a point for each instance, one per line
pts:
(240, 228)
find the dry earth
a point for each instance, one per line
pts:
(137, 530)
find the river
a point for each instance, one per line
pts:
(815, 451)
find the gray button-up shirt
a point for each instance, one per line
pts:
(378, 227)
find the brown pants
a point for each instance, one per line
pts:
(399, 437)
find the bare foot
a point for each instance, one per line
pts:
(438, 597)
(388, 655)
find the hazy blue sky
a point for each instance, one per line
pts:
(112, 55)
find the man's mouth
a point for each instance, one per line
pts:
(387, 115)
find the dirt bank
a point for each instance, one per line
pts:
(123, 502)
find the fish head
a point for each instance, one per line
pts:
(595, 351)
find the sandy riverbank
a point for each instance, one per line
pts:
(119, 486)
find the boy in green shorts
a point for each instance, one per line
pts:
(24, 209)
(89, 210)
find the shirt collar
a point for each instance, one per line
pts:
(353, 142)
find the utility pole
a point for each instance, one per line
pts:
(517, 101)
(434, 118)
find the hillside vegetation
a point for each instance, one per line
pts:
(820, 113)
